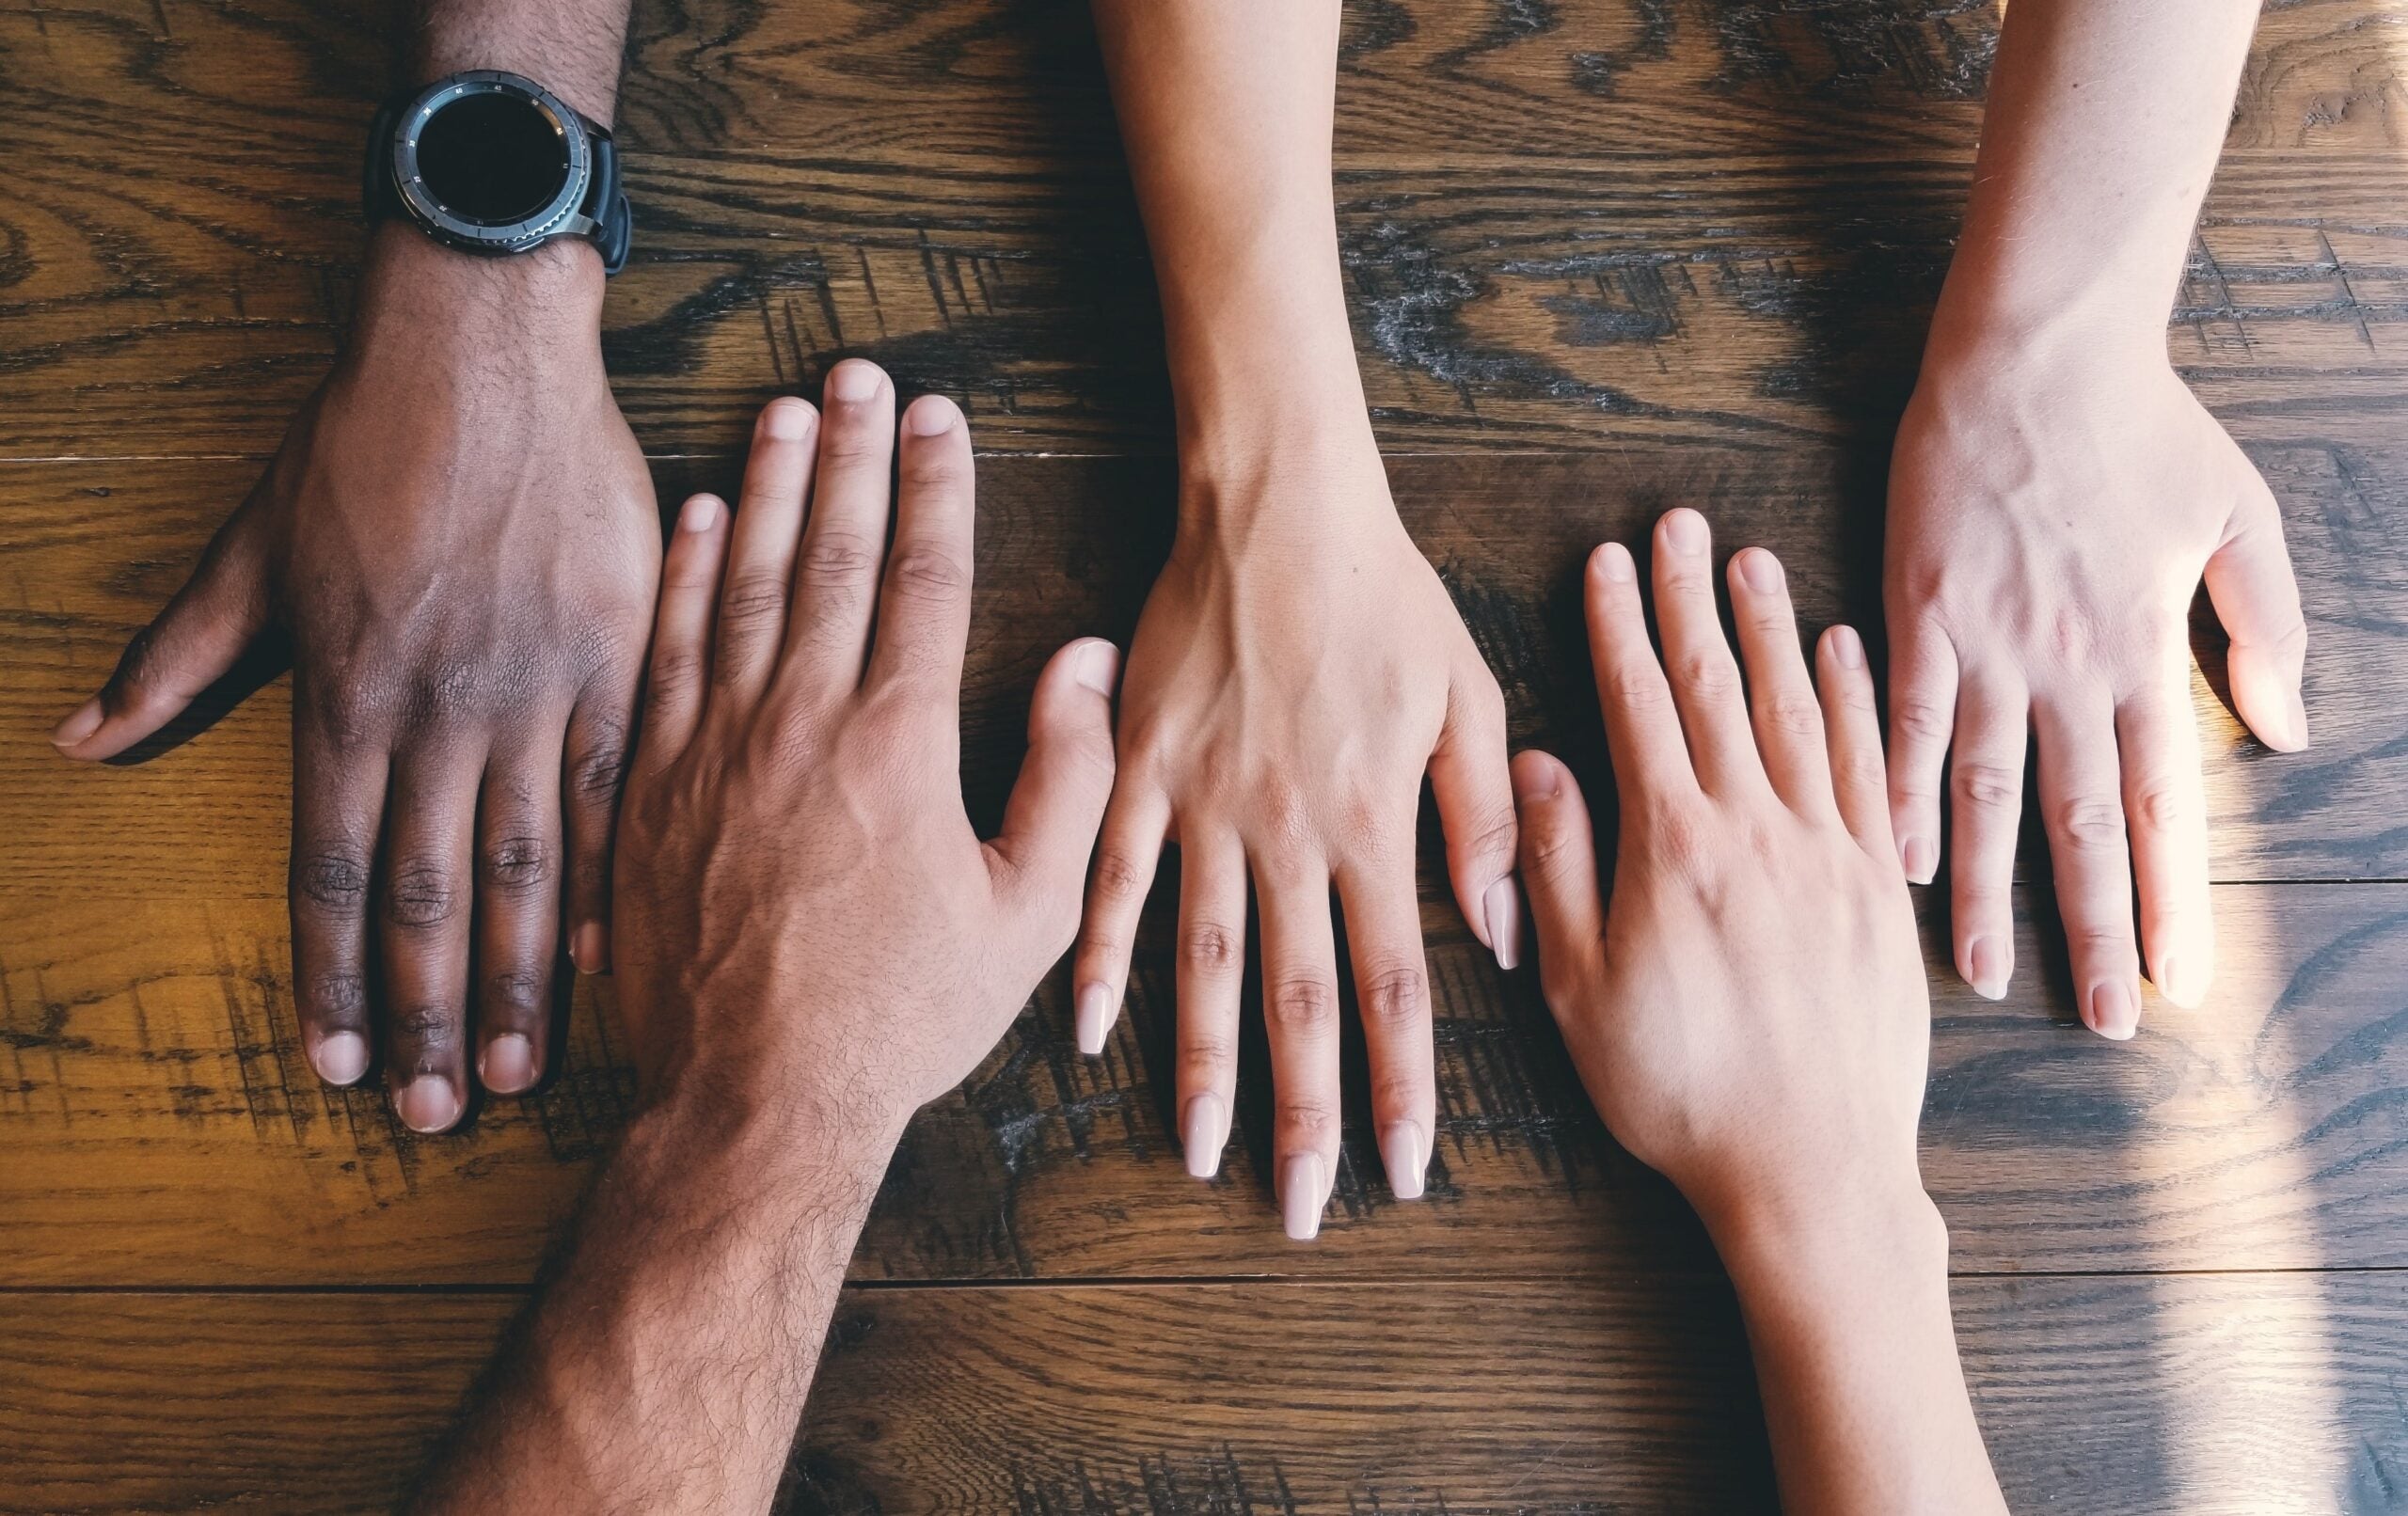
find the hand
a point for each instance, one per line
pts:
(1750, 1016)
(459, 537)
(1297, 671)
(805, 919)
(2049, 525)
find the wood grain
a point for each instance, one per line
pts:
(2237, 1395)
(1705, 222)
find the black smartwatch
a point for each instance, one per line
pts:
(493, 163)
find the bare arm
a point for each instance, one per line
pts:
(1748, 1011)
(1299, 668)
(812, 945)
(2056, 498)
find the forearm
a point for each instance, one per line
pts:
(1856, 1357)
(570, 47)
(664, 1366)
(1225, 109)
(2104, 122)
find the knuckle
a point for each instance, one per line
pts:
(2090, 823)
(1203, 1054)
(596, 773)
(1494, 830)
(1794, 716)
(1923, 720)
(1550, 851)
(928, 573)
(1119, 879)
(1638, 687)
(514, 989)
(1396, 999)
(837, 558)
(1304, 1006)
(680, 669)
(1208, 948)
(338, 995)
(1709, 676)
(1681, 840)
(517, 864)
(428, 1027)
(1988, 786)
(422, 894)
(335, 882)
(750, 598)
(2158, 804)
(1308, 1120)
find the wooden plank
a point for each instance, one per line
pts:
(162, 1129)
(1698, 222)
(1067, 546)
(2239, 1394)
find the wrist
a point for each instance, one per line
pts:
(783, 1140)
(416, 291)
(1827, 1242)
(1997, 320)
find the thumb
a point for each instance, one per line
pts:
(2255, 597)
(1475, 796)
(186, 649)
(1050, 820)
(1560, 869)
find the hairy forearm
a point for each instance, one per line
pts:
(2104, 123)
(570, 47)
(1847, 1315)
(1225, 109)
(664, 1365)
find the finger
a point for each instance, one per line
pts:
(835, 589)
(422, 918)
(1704, 676)
(339, 776)
(1559, 870)
(760, 559)
(190, 645)
(1300, 1016)
(680, 675)
(1134, 823)
(1924, 698)
(2082, 805)
(1475, 796)
(1050, 822)
(1853, 726)
(1987, 796)
(1392, 987)
(594, 767)
(2166, 803)
(1643, 732)
(923, 603)
(1781, 706)
(2257, 597)
(518, 914)
(1211, 972)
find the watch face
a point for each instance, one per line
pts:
(493, 157)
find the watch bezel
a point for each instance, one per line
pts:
(556, 215)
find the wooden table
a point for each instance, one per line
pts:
(1603, 256)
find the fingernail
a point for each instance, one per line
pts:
(2297, 723)
(341, 1057)
(1094, 1018)
(1539, 780)
(1300, 1197)
(427, 1104)
(1992, 965)
(2176, 982)
(1685, 531)
(1760, 570)
(1614, 562)
(1202, 1132)
(1503, 910)
(701, 514)
(508, 1063)
(930, 415)
(2115, 1011)
(590, 949)
(853, 381)
(81, 722)
(1919, 857)
(787, 419)
(1098, 667)
(1847, 648)
(1402, 1154)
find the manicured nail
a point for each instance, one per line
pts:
(1203, 1131)
(1614, 562)
(427, 1104)
(590, 949)
(1992, 963)
(1919, 857)
(787, 419)
(1848, 649)
(931, 416)
(1539, 780)
(1300, 1197)
(1094, 1018)
(1502, 908)
(2115, 1011)
(1098, 667)
(81, 722)
(701, 514)
(853, 381)
(507, 1066)
(1760, 570)
(1402, 1155)
(341, 1057)
(1685, 531)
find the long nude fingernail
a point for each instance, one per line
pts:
(1300, 1197)
(1402, 1154)
(1203, 1131)
(1502, 907)
(1093, 1019)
